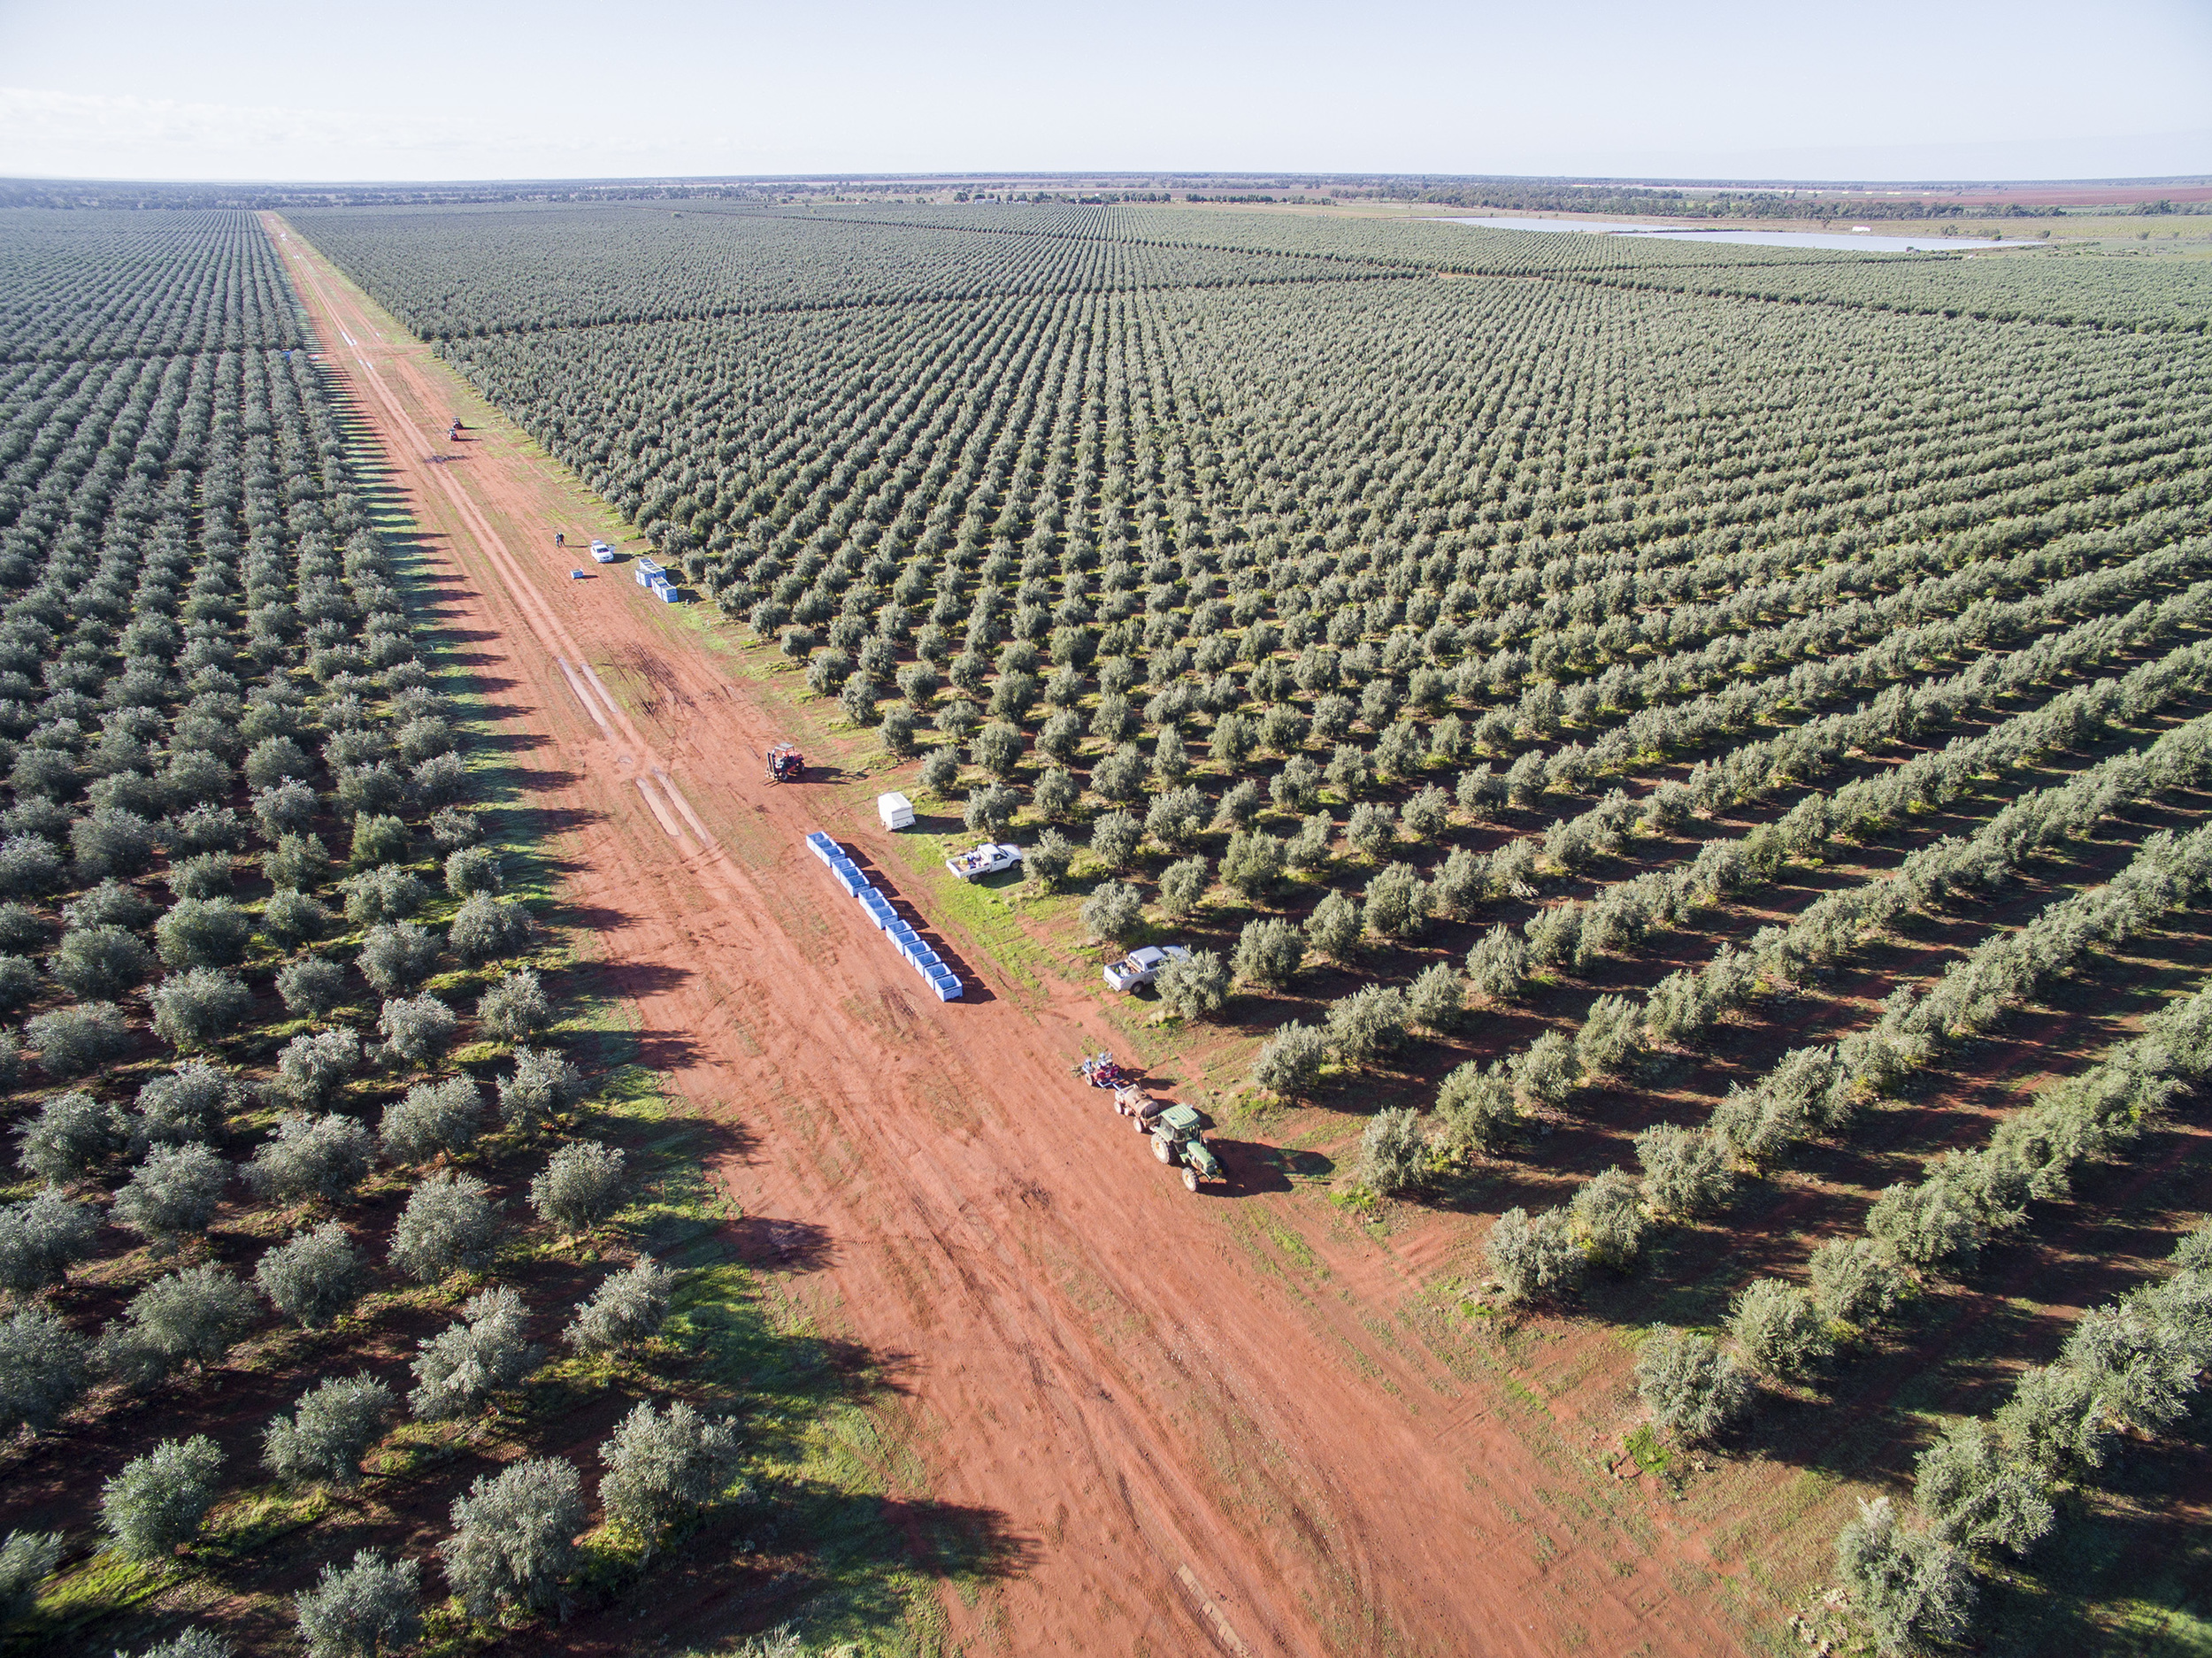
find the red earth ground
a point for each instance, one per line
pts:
(1198, 1443)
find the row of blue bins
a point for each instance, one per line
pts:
(908, 943)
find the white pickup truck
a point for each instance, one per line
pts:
(985, 860)
(1141, 967)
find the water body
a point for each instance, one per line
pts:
(1849, 241)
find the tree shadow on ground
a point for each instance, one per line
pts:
(782, 1245)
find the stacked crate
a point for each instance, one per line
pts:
(908, 943)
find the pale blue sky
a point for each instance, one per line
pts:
(491, 88)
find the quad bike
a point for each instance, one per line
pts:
(1101, 1071)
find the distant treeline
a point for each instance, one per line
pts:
(1507, 194)
(74, 194)
(1571, 198)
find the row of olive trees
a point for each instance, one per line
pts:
(1756, 1124)
(669, 473)
(2130, 1368)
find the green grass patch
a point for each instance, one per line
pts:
(1645, 1447)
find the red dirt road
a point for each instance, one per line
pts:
(1199, 1443)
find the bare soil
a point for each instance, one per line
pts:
(1197, 1424)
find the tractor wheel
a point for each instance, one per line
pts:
(1139, 1117)
(1160, 1150)
(1190, 1180)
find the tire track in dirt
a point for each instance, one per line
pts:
(1191, 1460)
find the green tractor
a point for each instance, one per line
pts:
(1178, 1137)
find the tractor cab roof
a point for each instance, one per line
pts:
(1181, 1118)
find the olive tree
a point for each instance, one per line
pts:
(26, 1559)
(578, 1188)
(1437, 999)
(1910, 1588)
(516, 1009)
(1532, 1256)
(1779, 1328)
(365, 1610)
(314, 1065)
(71, 1135)
(189, 1318)
(1289, 1063)
(112, 841)
(171, 1195)
(1194, 987)
(1269, 952)
(1397, 903)
(158, 1501)
(485, 1351)
(329, 1431)
(1475, 1109)
(1366, 1024)
(43, 1369)
(418, 1029)
(1183, 884)
(665, 1467)
(198, 1007)
(629, 1306)
(1685, 1171)
(1113, 912)
(541, 1085)
(485, 928)
(312, 1277)
(192, 1643)
(42, 1238)
(311, 1157)
(1855, 1281)
(1607, 1218)
(1394, 1152)
(203, 933)
(1115, 837)
(1333, 928)
(1978, 1494)
(449, 1225)
(297, 860)
(72, 1042)
(311, 986)
(385, 893)
(1692, 1388)
(2057, 1418)
(514, 1537)
(434, 1119)
(184, 1105)
(1544, 1074)
(1252, 864)
(99, 962)
(473, 870)
(1497, 966)
(395, 956)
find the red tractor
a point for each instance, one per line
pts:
(786, 763)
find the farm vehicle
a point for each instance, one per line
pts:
(984, 860)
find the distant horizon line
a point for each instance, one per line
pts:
(1130, 180)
